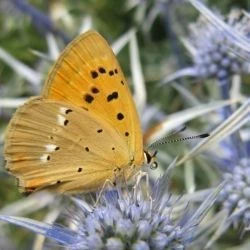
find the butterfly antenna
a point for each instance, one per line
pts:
(176, 131)
(162, 140)
(166, 140)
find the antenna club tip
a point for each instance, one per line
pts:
(204, 135)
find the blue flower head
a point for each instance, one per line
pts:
(125, 219)
(216, 45)
(235, 196)
(215, 54)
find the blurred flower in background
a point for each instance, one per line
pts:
(146, 37)
(215, 54)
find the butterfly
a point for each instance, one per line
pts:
(82, 130)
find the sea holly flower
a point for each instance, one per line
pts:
(127, 219)
(215, 54)
(236, 28)
(216, 48)
(234, 198)
(211, 51)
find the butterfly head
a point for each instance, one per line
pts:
(150, 158)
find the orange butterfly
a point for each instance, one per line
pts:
(82, 130)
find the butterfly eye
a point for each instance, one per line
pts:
(154, 165)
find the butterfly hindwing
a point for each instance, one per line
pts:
(55, 144)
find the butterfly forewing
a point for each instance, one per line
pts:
(88, 75)
(82, 128)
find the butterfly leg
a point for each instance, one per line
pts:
(139, 176)
(107, 183)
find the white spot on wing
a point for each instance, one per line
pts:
(50, 147)
(63, 110)
(44, 157)
(60, 120)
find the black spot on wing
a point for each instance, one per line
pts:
(112, 96)
(86, 109)
(95, 90)
(88, 98)
(102, 70)
(120, 116)
(68, 111)
(111, 73)
(94, 74)
(66, 122)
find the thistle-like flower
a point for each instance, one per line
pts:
(235, 196)
(234, 166)
(127, 220)
(216, 47)
(215, 53)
